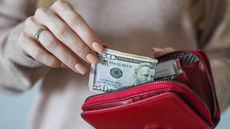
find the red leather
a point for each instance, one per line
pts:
(188, 104)
(151, 113)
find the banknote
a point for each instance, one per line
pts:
(118, 70)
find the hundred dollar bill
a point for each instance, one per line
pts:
(118, 70)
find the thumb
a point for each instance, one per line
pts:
(156, 52)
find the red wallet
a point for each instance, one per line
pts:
(187, 101)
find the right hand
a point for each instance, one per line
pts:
(66, 39)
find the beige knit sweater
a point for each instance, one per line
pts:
(137, 25)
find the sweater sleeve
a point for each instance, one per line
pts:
(18, 71)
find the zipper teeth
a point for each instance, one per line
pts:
(211, 82)
(208, 74)
(121, 90)
(156, 82)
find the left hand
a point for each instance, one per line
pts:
(159, 51)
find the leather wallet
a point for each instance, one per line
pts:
(187, 101)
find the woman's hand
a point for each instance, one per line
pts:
(59, 37)
(159, 52)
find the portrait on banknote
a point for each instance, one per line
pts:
(144, 73)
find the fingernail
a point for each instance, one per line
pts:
(81, 68)
(92, 58)
(169, 49)
(98, 47)
(157, 50)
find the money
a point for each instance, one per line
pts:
(118, 70)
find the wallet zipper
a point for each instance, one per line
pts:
(154, 82)
(211, 82)
(208, 74)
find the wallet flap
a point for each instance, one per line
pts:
(163, 111)
(141, 92)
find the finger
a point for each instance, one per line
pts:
(157, 52)
(65, 35)
(32, 48)
(31, 27)
(66, 11)
(169, 49)
(54, 46)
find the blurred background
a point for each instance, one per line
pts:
(14, 110)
